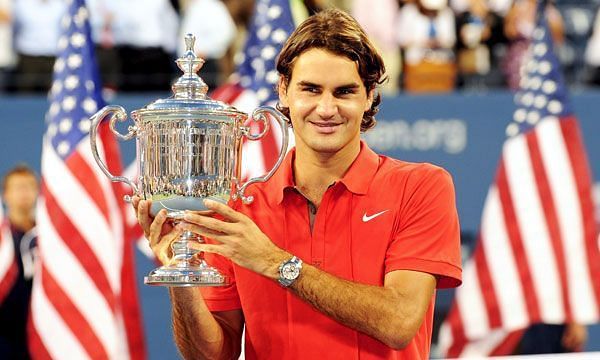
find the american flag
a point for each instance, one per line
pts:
(84, 302)
(537, 259)
(256, 77)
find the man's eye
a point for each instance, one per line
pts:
(310, 89)
(345, 91)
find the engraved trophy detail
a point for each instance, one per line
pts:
(189, 148)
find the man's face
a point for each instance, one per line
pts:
(20, 192)
(327, 100)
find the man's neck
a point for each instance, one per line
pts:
(315, 172)
(21, 221)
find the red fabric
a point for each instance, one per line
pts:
(419, 231)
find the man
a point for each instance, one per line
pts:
(19, 192)
(341, 251)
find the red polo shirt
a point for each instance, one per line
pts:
(383, 215)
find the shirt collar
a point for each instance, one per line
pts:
(357, 179)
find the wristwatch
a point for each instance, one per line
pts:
(289, 271)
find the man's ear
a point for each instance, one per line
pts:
(282, 90)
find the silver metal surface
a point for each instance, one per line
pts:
(189, 148)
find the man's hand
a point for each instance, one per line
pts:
(238, 239)
(160, 234)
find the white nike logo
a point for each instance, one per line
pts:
(366, 218)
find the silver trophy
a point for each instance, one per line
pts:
(188, 149)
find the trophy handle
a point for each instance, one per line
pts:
(260, 114)
(117, 114)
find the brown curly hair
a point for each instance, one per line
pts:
(337, 32)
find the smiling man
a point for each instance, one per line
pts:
(342, 249)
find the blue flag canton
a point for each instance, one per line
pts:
(542, 92)
(75, 93)
(271, 26)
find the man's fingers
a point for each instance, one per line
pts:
(155, 227)
(201, 230)
(211, 248)
(143, 215)
(223, 209)
(209, 222)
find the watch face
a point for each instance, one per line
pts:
(289, 271)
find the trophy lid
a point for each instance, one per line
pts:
(189, 91)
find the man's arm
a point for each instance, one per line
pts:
(198, 333)
(391, 314)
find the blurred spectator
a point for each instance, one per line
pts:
(426, 33)
(518, 27)
(102, 15)
(592, 52)
(377, 18)
(19, 191)
(552, 339)
(211, 23)
(37, 31)
(145, 35)
(7, 55)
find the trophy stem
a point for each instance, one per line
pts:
(187, 267)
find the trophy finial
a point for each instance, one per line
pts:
(190, 85)
(190, 40)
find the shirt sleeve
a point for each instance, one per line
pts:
(427, 233)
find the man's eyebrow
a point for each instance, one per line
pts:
(345, 86)
(307, 83)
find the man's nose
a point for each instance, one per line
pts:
(327, 106)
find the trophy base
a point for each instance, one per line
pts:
(182, 277)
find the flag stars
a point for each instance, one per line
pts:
(52, 130)
(540, 101)
(540, 49)
(279, 36)
(89, 85)
(71, 82)
(77, 40)
(533, 117)
(84, 125)
(512, 130)
(63, 148)
(264, 32)
(555, 107)
(59, 65)
(535, 83)
(74, 61)
(545, 68)
(81, 16)
(520, 115)
(527, 99)
(268, 53)
(69, 103)
(539, 33)
(549, 87)
(65, 22)
(263, 94)
(65, 125)
(63, 42)
(89, 105)
(272, 77)
(54, 109)
(274, 12)
(56, 87)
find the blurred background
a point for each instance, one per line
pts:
(453, 68)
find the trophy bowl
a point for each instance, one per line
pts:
(189, 148)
